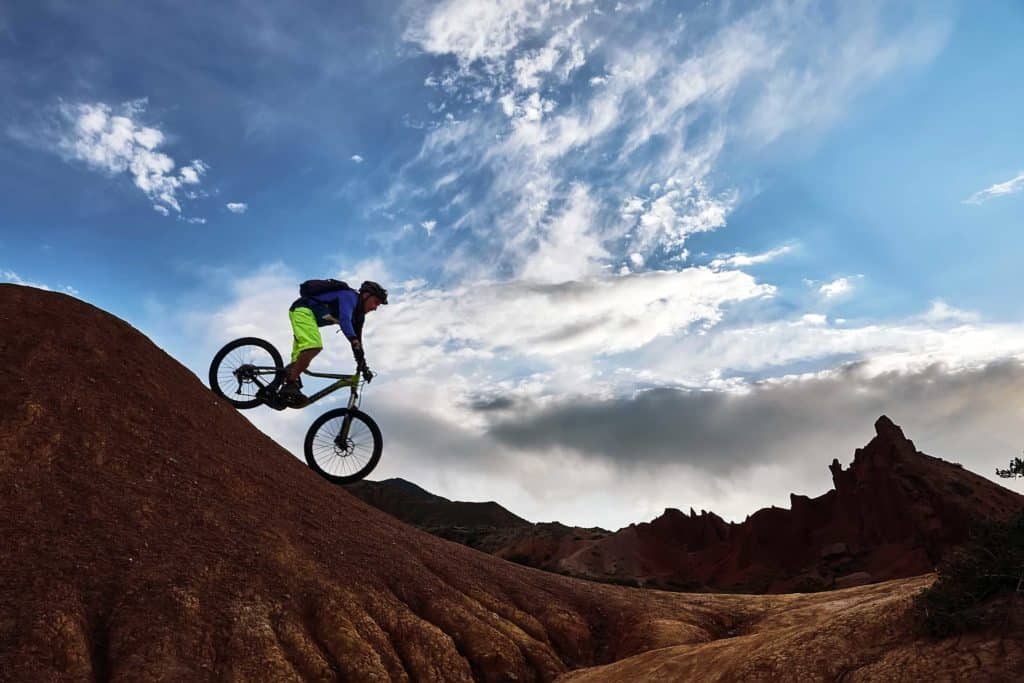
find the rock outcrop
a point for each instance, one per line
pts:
(894, 513)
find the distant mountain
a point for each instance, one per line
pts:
(410, 502)
(894, 513)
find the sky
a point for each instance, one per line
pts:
(641, 254)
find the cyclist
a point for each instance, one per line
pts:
(346, 308)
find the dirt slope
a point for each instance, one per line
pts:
(149, 532)
(856, 634)
(894, 513)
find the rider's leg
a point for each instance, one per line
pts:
(300, 363)
(306, 342)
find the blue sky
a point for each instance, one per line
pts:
(781, 218)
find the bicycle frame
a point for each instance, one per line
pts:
(342, 381)
(351, 381)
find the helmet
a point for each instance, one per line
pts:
(374, 289)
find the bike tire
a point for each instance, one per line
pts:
(314, 448)
(218, 359)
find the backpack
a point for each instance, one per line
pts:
(312, 288)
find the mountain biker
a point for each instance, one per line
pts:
(345, 307)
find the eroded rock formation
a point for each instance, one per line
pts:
(894, 513)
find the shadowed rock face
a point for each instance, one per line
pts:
(894, 513)
(149, 532)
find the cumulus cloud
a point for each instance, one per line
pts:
(114, 140)
(1011, 186)
(836, 288)
(237, 207)
(356, 158)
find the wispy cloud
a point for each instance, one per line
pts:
(531, 123)
(741, 260)
(237, 207)
(14, 278)
(357, 158)
(1011, 186)
(114, 140)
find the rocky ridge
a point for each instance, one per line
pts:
(895, 512)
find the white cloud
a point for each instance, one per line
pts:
(356, 158)
(814, 319)
(162, 210)
(569, 247)
(741, 260)
(812, 341)
(941, 312)
(1011, 186)
(680, 210)
(481, 30)
(113, 140)
(429, 226)
(194, 220)
(237, 207)
(14, 278)
(837, 287)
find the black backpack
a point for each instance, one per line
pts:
(316, 287)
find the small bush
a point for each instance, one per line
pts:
(977, 582)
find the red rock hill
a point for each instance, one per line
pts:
(894, 513)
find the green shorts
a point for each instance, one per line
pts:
(306, 335)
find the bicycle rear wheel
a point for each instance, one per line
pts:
(243, 368)
(343, 460)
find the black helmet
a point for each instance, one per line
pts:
(376, 290)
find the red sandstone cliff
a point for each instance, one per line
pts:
(893, 513)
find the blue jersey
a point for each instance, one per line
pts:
(341, 304)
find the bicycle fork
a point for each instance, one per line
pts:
(341, 441)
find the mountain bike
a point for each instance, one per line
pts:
(342, 445)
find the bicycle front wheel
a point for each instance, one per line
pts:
(242, 368)
(343, 445)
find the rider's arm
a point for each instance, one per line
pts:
(346, 305)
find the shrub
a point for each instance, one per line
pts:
(977, 583)
(1016, 469)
